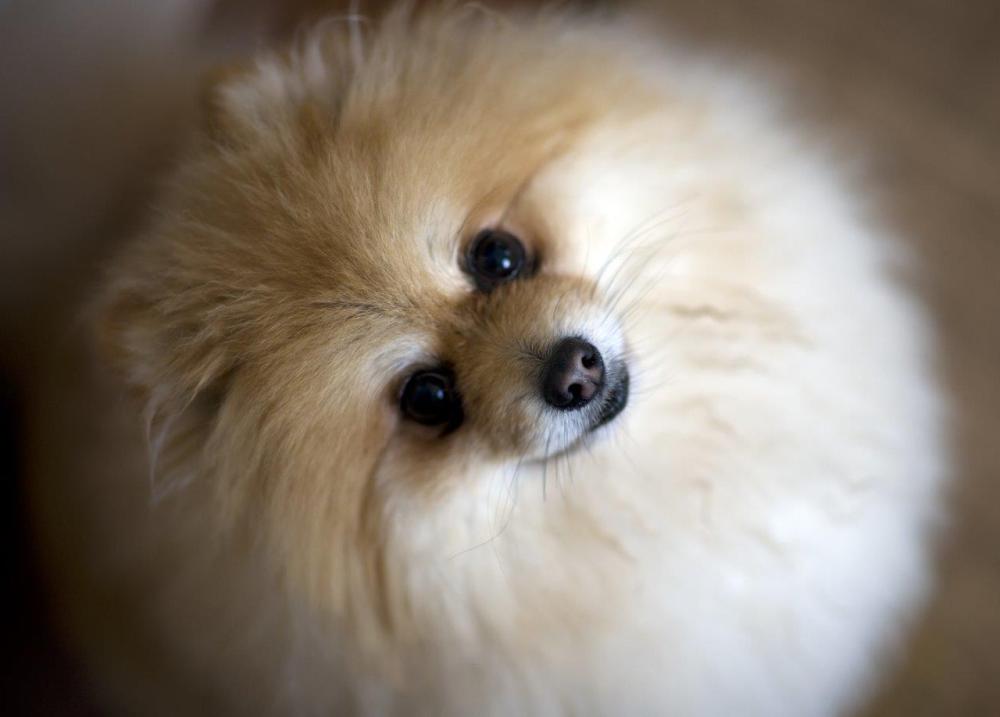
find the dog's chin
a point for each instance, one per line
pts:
(613, 401)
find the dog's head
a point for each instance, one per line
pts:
(387, 274)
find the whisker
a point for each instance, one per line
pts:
(640, 230)
(545, 467)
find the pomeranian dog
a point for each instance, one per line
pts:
(482, 364)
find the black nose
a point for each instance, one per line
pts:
(573, 375)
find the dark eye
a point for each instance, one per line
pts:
(495, 257)
(429, 398)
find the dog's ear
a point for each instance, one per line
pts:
(218, 121)
(154, 341)
(268, 104)
(244, 104)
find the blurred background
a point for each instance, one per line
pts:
(95, 94)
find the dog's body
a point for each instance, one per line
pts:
(743, 538)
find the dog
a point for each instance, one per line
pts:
(478, 363)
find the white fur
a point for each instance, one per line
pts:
(764, 498)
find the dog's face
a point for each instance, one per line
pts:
(384, 280)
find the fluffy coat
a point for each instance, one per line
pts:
(745, 538)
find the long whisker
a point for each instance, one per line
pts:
(545, 467)
(639, 231)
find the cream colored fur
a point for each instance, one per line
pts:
(746, 538)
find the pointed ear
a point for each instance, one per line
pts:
(239, 102)
(156, 340)
(268, 105)
(177, 381)
(218, 120)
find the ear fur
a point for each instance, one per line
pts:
(177, 383)
(262, 102)
(217, 121)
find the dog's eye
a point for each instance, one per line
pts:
(429, 397)
(495, 257)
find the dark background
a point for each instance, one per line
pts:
(93, 96)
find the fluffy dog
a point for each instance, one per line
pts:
(493, 365)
